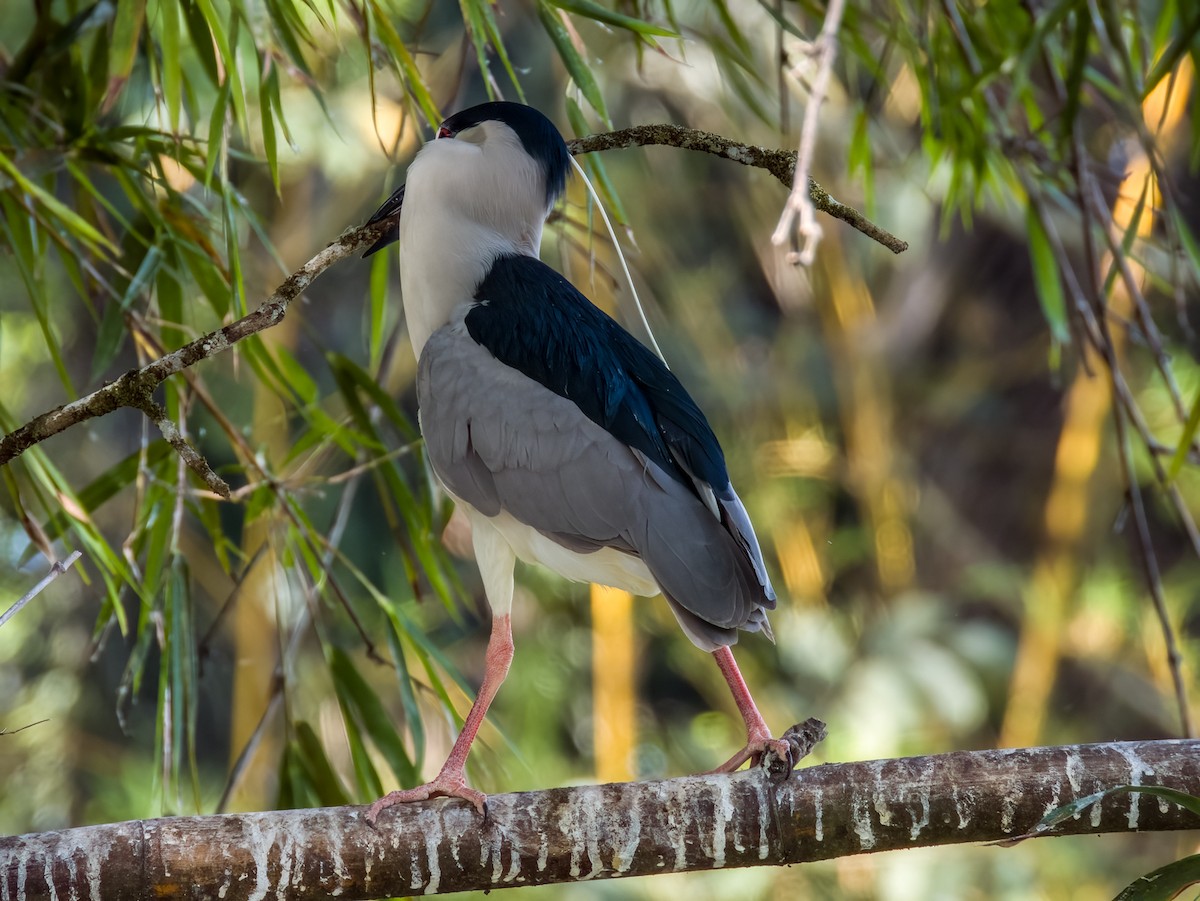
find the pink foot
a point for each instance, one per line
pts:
(444, 786)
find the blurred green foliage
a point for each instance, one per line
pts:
(927, 444)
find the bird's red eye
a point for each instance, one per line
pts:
(444, 132)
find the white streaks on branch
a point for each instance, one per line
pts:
(1138, 768)
(819, 815)
(860, 819)
(433, 842)
(579, 823)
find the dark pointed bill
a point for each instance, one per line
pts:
(389, 212)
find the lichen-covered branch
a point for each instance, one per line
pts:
(780, 163)
(607, 831)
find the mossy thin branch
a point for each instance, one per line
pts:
(780, 163)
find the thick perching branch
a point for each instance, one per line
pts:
(607, 831)
(135, 388)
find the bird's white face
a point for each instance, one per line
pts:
(484, 174)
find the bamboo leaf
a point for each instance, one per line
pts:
(324, 781)
(370, 716)
(408, 697)
(494, 35)
(1046, 277)
(1165, 882)
(577, 67)
(595, 166)
(595, 11)
(406, 66)
(1079, 805)
(171, 61)
(73, 222)
(377, 308)
(270, 146)
(229, 60)
(122, 51)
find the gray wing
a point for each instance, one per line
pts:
(501, 441)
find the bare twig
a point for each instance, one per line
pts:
(59, 567)
(190, 456)
(799, 219)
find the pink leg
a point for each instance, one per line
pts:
(452, 780)
(758, 736)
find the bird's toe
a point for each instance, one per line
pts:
(441, 787)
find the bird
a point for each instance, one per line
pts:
(564, 440)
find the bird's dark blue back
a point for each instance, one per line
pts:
(532, 319)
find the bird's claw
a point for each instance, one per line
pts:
(778, 756)
(754, 750)
(442, 787)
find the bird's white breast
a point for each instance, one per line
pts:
(605, 567)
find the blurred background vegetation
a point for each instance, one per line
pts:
(968, 532)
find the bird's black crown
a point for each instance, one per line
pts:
(537, 134)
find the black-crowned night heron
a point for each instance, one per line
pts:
(563, 440)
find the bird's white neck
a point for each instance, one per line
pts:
(464, 206)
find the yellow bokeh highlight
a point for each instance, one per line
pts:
(614, 693)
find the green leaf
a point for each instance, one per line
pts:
(1046, 276)
(593, 10)
(169, 294)
(1186, 439)
(1170, 58)
(365, 774)
(311, 755)
(577, 67)
(171, 62)
(112, 327)
(216, 135)
(229, 60)
(122, 51)
(594, 164)
(1079, 805)
(493, 32)
(294, 375)
(26, 253)
(74, 223)
(406, 65)
(377, 308)
(351, 376)
(370, 716)
(408, 697)
(1164, 883)
(270, 145)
